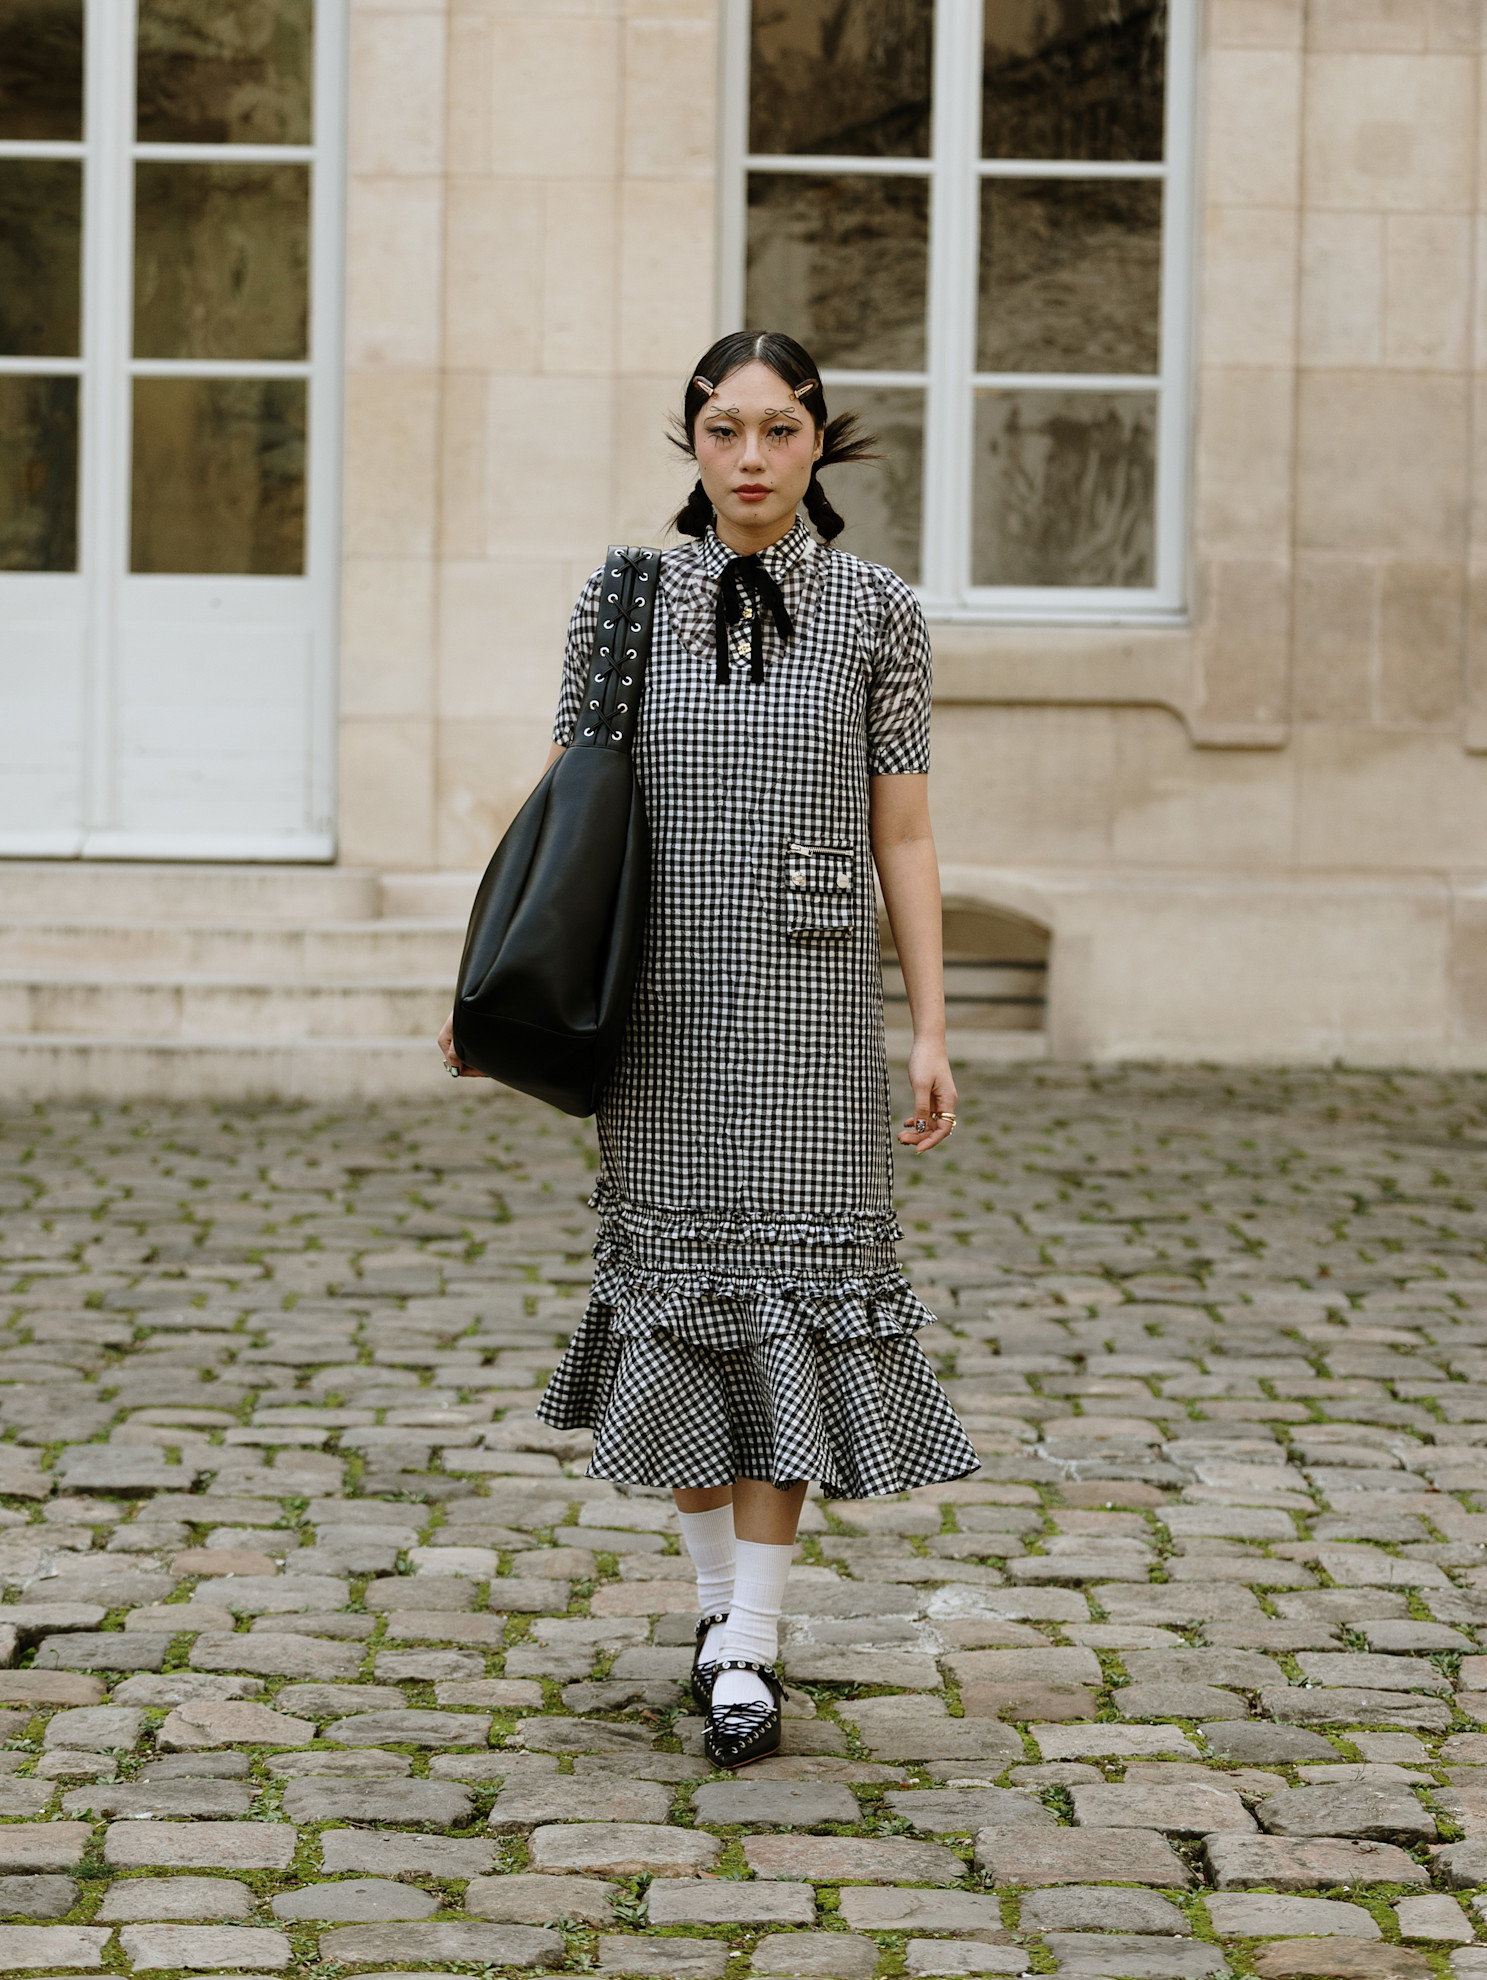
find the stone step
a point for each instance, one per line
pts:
(71, 1067)
(164, 981)
(75, 1066)
(120, 890)
(203, 1009)
(332, 951)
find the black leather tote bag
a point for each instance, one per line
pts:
(554, 940)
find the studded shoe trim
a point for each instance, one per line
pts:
(703, 1674)
(736, 1734)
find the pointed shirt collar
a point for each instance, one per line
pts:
(791, 549)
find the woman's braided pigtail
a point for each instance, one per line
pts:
(828, 523)
(695, 516)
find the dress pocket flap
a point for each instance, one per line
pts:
(819, 887)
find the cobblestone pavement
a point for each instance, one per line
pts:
(320, 1655)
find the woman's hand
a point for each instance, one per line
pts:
(934, 1093)
(446, 1047)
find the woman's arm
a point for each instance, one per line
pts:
(904, 854)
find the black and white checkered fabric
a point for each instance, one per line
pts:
(748, 1316)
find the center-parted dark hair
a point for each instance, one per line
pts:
(842, 437)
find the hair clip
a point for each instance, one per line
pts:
(810, 385)
(706, 383)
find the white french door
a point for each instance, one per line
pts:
(170, 222)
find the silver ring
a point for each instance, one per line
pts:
(451, 1068)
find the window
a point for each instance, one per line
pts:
(975, 214)
(170, 189)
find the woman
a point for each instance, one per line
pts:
(749, 1328)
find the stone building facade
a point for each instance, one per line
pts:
(1226, 763)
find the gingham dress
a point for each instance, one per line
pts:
(748, 1315)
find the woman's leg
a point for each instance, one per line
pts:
(765, 1518)
(707, 1534)
(766, 1513)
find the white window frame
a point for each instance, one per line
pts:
(949, 381)
(103, 587)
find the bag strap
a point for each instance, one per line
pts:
(622, 648)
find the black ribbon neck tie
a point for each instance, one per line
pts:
(747, 574)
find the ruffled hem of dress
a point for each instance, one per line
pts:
(863, 1416)
(728, 1314)
(642, 1220)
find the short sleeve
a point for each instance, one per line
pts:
(899, 692)
(576, 655)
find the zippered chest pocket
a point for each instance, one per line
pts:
(819, 884)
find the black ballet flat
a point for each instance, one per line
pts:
(736, 1734)
(703, 1674)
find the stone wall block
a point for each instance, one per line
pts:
(1161, 977)
(1428, 259)
(387, 792)
(1037, 783)
(391, 449)
(1389, 799)
(1244, 653)
(470, 88)
(1334, 638)
(548, 453)
(387, 636)
(1373, 25)
(1421, 629)
(1474, 685)
(1253, 112)
(1179, 807)
(394, 266)
(666, 290)
(1456, 25)
(502, 626)
(669, 120)
(580, 255)
(1381, 462)
(1249, 272)
(470, 455)
(1256, 23)
(1469, 963)
(651, 476)
(556, 95)
(1479, 292)
(486, 772)
(493, 316)
(398, 61)
(1390, 132)
(1342, 289)
(1242, 498)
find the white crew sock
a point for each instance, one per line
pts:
(708, 1538)
(753, 1629)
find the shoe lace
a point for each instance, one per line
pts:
(739, 1720)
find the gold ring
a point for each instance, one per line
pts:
(943, 1117)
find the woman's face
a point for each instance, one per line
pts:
(755, 449)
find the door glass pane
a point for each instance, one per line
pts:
(41, 231)
(1065, 488)
(219, 476)
(841, 77)
(221, 261)
(1073, 78)
(1071, 275)
(38, 474)
(841, 263)
(881, 500)
(224, 71)
(41, 69)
